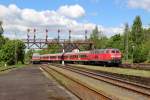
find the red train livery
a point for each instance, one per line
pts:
(98, 56)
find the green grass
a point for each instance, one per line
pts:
(125, 71)
(11, 66)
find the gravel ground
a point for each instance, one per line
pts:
(29, 83)
(118, 92)
(111, 72)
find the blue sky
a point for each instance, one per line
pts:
(106, 13)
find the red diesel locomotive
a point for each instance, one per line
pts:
(98, 56)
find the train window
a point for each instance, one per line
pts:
(107, 51)
(113, 51)
(71, 56)
(76, 56)
(117, 51)
(97, 52)
(83, 56)
(52, 57)
(66, 57)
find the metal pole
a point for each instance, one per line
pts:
(34, 34)
(58, 35)
(28, 37)
(133, 55)
(46, 35)
(69, 35)
(15, 50)
(63, 62)
(85, 34)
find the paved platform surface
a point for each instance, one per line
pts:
(30, 83)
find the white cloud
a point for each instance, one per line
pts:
(72, 11)
(142, 4)
(109, 31)
(17, 20)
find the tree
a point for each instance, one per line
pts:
(52, 48)
(1, 28)
(28, 56)
(137, 31)
(98, 38)
(2, 41)
(126, 32)
(94, 37)
(12, 52)
(20, 50)
(137, 38)
(115, 41)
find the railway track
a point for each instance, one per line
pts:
(136, 66)
(79, 89)
(131, 78)
(5, 69)
(130, 86)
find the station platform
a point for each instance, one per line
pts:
(29, 83)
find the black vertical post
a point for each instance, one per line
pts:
(28, 31)
(46, 36)
(58, 35)
(34, 35)
(85, 34)
(69, 35)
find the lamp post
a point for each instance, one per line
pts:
(28, 31)
(63, 62)
(85, 34)
(16, 56)
(69, 35)
(46, 35)
(34, 31)
(58, 35)
(133, 54)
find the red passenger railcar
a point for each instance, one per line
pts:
(98, 56)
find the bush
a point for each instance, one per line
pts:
(139, 55)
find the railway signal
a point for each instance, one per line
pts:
(43, 43)
(69, 35)
(85, 34)
(46, 35)
(58, 35)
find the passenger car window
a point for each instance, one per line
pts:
(107, 51)
(113, 51)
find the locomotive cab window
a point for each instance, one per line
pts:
(117, 51)
(113, 51)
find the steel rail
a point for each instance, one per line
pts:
(106, 96)
(117, 82)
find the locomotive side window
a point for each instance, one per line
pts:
(113, 51)
(101, 51)
(83, 56)
(117, 51)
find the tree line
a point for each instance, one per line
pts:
(11, 51)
